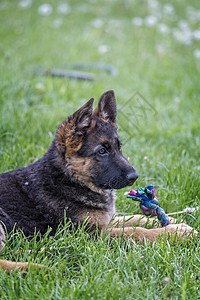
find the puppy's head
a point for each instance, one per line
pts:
(91, 149)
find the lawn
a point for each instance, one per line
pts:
(154, 50)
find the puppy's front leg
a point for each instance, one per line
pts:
(9, 266)
(181, 231)
(128, 221)
(137, 220)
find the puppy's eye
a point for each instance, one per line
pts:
(102, 151)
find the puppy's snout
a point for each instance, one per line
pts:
(132, 177)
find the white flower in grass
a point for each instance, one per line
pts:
(98, 23)
(160, 49)
(163, 28)
(153, 4)
(126, 193)
(177, 99)
(115, 23)
(190, 209)
(145, 157)
(168, 8)
(63, 8)
(194, 14)
(25, 3)
(103, 49)
(40, 87)
(196, 35)
(197, 53)
(83, 8)
(45, 9)
(182, 24)
(165, 281)
(155, 8)
(150, 21)
(137, 21)
(184, 37)
(57, 23)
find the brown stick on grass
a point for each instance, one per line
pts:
(68, 74)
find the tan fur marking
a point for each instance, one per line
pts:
(96, 112)
(93, 124)
(97, 217)
(79, 168)
(66, 139)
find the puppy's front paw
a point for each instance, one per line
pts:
(182, 230)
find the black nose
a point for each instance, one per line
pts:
(132, 177)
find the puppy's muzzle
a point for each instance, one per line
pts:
(132, 177)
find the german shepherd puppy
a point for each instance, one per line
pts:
(76, 177)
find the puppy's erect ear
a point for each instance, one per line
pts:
(107, 108)
(82, 117)
(71, 131)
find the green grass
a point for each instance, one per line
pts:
(159, 127)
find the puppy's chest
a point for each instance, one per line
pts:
(97, 209)
(98, 218)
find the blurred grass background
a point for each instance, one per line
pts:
(154, 45)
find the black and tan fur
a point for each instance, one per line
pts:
(77, 176)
